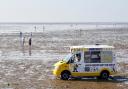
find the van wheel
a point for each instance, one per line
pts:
(104, 75)
(65, 75)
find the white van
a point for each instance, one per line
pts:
(87, 60)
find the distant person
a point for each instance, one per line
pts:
(30, 44)
(43, 28)
(23, 41)
(21, 37)
(35, 28)
(30, 41)
(21, 34)
(23, 44)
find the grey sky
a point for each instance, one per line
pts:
(63, 10)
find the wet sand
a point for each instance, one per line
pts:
(19, 70)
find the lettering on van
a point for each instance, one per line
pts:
(91, 69)
(100, 64)
(96, 67)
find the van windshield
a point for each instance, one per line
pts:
(68, 57)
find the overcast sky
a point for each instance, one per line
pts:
(63, 10)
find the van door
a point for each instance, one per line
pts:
(78, 65)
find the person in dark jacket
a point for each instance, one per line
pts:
(30, 41)
(30, 44)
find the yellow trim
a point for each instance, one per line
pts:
(75, 74)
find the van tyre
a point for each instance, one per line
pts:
(65, 75)
(104, 75)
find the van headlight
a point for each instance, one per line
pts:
(56, 67)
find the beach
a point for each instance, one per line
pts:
(20, 70)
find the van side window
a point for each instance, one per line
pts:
(106, 56)
(95, 57)
(92, 57)
(87, 57)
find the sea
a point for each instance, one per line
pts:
(42, 27)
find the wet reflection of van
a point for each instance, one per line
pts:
(88, 60)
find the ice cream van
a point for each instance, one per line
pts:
(87, 61)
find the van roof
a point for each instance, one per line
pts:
(93, 46)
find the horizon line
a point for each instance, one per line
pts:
(64, 23)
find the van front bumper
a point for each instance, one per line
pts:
(56, 73)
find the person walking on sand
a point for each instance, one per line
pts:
(30, 44)
(30, 41)
(35, 28)
(43, 28)
(20, 34)
(21, 37)
(23, 44)
(22, 40)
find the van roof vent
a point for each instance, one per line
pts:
(97, 44)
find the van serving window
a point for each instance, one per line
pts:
(92, 57)
(98, 57)
(95, 57)
(87, 57)
(106, 56)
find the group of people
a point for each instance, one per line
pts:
(22, 42)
